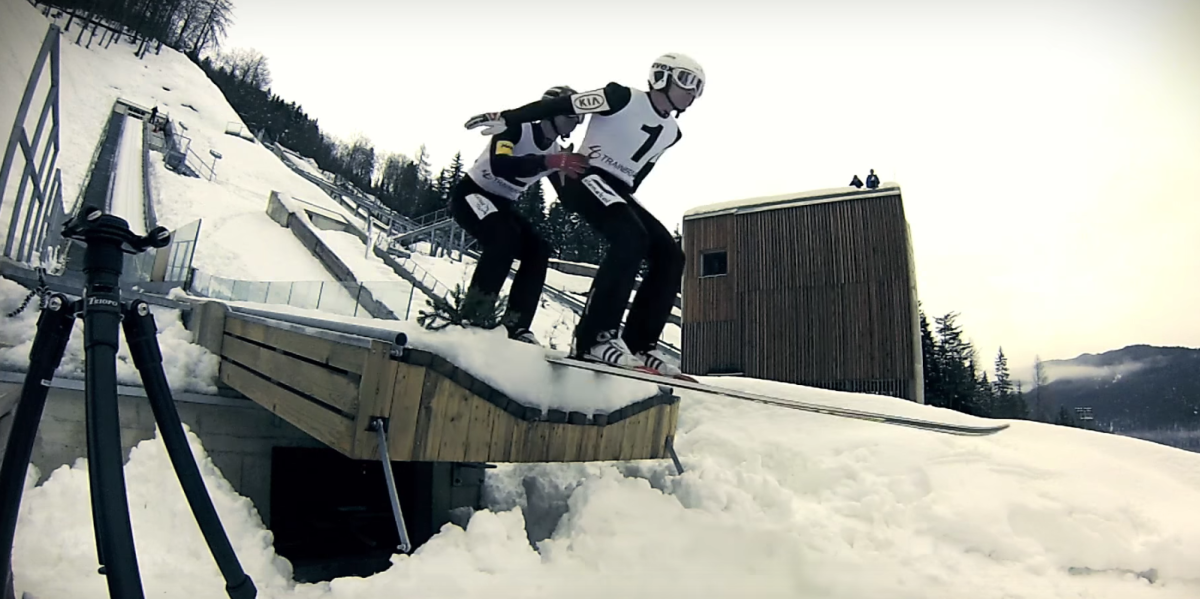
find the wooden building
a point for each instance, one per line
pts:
(815, 288)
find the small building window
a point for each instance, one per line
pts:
(714, 264)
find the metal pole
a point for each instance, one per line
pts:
(379, 426)
(408, 311)
(370, 235)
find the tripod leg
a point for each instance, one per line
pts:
(49, 344)
(141, 335)
(110, 505)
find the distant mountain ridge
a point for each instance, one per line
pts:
(1139, 387)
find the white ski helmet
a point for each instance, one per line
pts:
(686, 72)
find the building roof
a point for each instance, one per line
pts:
(788, 200)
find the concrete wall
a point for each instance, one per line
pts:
(325, 223)
(237, 433)
(333, 265)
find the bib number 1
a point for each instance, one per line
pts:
(652, 134)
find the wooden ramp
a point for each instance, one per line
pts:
(332, 385)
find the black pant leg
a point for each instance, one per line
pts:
(656, 296)
(498, 239)
(526, 291)
(627, 245)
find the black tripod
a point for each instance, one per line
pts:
(108, 239)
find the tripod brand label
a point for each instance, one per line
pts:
(103, 301)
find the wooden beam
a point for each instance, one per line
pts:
(430, 417)
(479, 434)
(635, 427)
(328, 386)
(406, 407)
(516, 451)
(338, 355)
(500, 449)
(324, 425)
(454, 414)
(608, 447)
(537, 442)
(375, 396)
(589, 437)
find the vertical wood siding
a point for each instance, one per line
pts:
(819, 294)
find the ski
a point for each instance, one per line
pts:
(926, 425)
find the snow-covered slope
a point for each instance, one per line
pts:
(234, 235)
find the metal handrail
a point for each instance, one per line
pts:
(40, 177)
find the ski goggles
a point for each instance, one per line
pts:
(683, 78)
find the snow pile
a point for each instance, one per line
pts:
(55, 536)
(773, 503)
(188, 367)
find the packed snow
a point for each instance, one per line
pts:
(772, 503)
(128, 196)
(306, 164)
(188, 366)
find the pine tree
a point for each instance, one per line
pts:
(408, 189)
(986, 403)
(389, 179)
(1019, 407)
(1009, 403)
(455, 170)
(556, 229)
(532, 205)
(1003, 385)
(935, 388)
(422, 162)
(957, 360)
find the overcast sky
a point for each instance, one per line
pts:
(1047, 150)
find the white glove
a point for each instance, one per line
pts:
(491, 121)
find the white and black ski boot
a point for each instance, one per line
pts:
(655, 360)
(611, 350)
